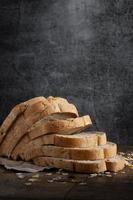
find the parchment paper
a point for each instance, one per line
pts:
(21, 165)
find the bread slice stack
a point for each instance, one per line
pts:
(49, 132)
(85, 152)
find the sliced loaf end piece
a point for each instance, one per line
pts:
(115, 164)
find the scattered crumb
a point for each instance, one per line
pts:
(93, 175)
(28, 183)
(36, 176)
(122, 153)
(108, 175)
(50, 181)
(82, 183)
(101, 174)
(32, 179)
(74, 181)
(64, 182)
(57, 178)
(107, 172)
(20, 175)
(114, 173)
(48, 174)
(59, 171)
(64, 173)
(122, 172)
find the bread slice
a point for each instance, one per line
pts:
(93, 153)
(15, 112)
(83, 139)
(60, 126)
(115, 164)
(72, 165)
(84, 166)
(32, 114)
(52, 125)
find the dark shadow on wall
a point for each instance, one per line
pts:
(124, 119)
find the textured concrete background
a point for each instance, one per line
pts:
(78, 49)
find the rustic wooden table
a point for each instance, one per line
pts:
(55, 184)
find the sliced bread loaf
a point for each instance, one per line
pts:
(83, 139)
(72, 165)
(94, 153)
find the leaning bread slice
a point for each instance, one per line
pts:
(59, 126)
(72, 165)
(92, 153)
(115, 164)
(53, 125)
(83, 139)
(31, 115)
(14, 113)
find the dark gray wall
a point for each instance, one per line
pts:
(79, 49)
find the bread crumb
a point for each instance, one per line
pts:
(93, 175)
(28, 183)
(50, 181)
(35, 176)
(82, 183)
(109, 175)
